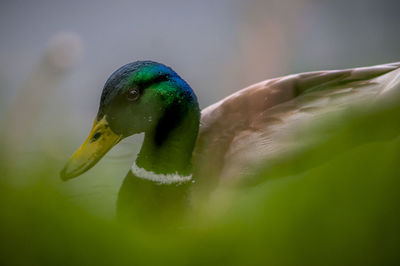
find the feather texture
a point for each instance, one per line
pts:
(257, 123)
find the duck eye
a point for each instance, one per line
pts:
(133, 95)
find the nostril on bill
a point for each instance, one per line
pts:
(96, 136)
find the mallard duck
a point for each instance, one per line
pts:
(184, 147)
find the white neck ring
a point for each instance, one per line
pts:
(166, 179)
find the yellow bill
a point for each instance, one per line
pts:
(100, 140)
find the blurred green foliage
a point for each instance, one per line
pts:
(336, 203)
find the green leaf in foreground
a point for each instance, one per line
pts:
(333, 204)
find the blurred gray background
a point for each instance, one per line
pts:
(56, 55)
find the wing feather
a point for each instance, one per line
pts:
(257, 123)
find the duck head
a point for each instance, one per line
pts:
(149, 97)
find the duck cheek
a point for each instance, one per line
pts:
(141, 124)
(128, 125)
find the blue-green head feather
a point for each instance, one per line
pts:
(140, 95)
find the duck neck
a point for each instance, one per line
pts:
(166, 153)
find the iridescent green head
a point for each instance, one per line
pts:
(142, 96)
